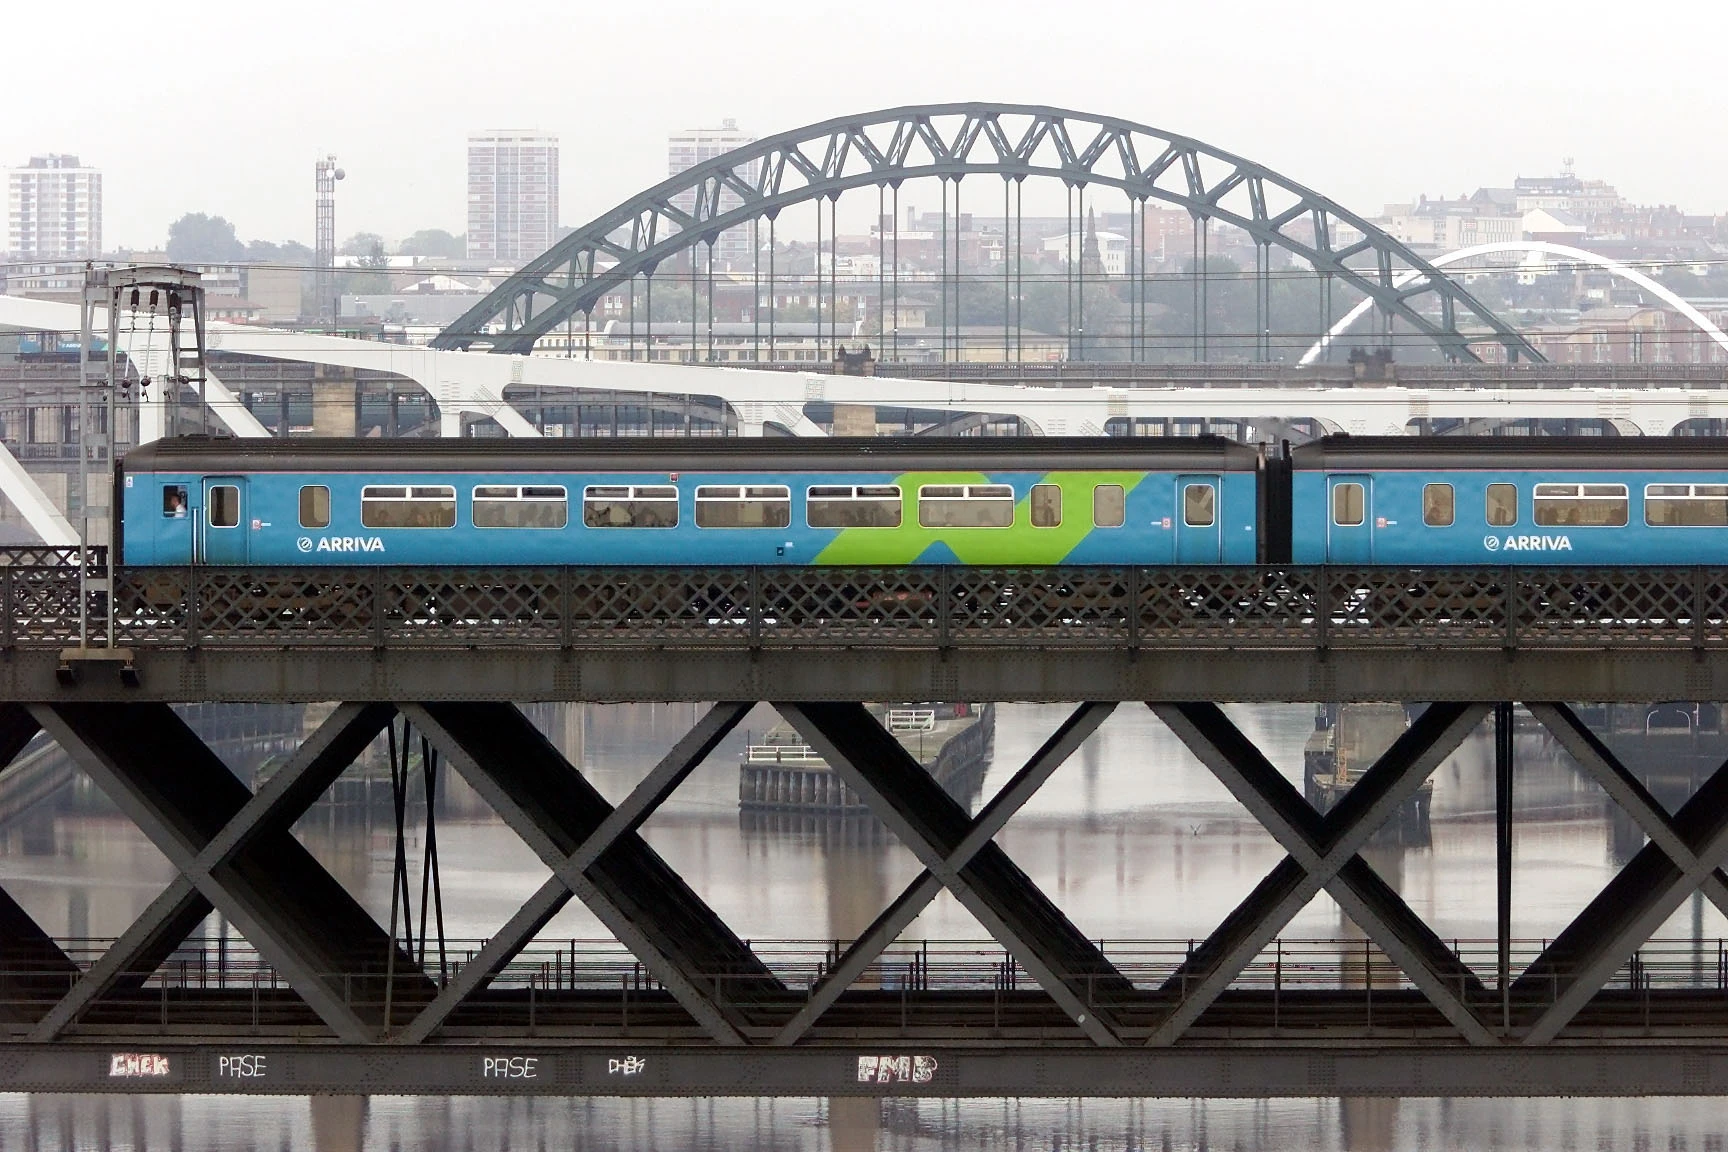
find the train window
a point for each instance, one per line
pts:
(1046, 505)
(528, 506)
(1438, 505)
(1109, 506)
(1501, 507)
(1686, 505)
(1580, 505)
(314, 506)
(1199, 505)
(408, 506)
(174, 501)
(965, 506)
(1347, 505)
(845, 506)
(630, 506)
(224, 504)
(745, 506)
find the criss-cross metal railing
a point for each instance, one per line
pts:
(1073, 608)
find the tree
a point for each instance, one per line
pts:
(434, 243)
(199, 239)
(361, 244)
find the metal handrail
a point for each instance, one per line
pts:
(1290, 964)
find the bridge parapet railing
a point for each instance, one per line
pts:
(231, 985)
(919, 607)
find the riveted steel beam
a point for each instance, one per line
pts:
(595, 852)
(32, 966)
(1684, 854)
(17, 728)
(650, 792)
(1322, 856)
(925, 887)
(234, 850)
(1625, 789)
(1004, 900)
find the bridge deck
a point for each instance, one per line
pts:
(920, 633)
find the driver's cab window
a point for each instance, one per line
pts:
(174, 501)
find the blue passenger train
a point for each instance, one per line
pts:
(971, 501)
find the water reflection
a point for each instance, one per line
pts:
(1132, 838)
(474, 1124)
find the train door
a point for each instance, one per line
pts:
(222, 521)
(1349, 519)
(1199, 535)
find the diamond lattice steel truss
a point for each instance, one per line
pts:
(353, 982)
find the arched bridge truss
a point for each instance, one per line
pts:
(951, 142)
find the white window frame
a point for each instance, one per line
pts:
(1550, 491)
(982, 493)
(743, 494)
(853, 492)
(1691, 493)
(411, 494)
(633, 492)
(562, 499)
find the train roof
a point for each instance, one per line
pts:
(1422, 453)
(694, 454)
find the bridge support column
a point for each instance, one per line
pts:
(235, 853)
(595, 853)
(1323, 855)
(904, 796)
(335, 402)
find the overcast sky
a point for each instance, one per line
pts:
(223, 108)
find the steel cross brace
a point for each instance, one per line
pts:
(207, 831)
(1685, 854)
(32, 965)
(989, 885)
(905, 908)
(1323, 855)
(572, 828)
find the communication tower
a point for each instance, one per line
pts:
(325, 174)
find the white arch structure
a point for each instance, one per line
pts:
(474, 382)
(1528, 247)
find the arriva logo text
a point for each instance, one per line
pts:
(1528, 543)
(349, 544)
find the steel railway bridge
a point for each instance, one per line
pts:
(323, 997)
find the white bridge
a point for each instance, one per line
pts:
(473, 383)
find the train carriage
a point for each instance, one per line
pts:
(1443, 502)
(471, 503)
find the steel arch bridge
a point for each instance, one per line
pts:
(950, 142)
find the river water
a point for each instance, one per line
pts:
(1133, 838)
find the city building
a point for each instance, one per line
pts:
(1444, 225)
(512, 195)
(685, 150)
(54, 209)
(238, 293)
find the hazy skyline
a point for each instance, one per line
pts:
(1365, 103)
